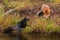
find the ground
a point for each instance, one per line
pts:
(35, 24)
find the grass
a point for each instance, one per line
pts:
(39, 23)
(43, 25)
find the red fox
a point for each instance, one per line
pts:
(45, 11)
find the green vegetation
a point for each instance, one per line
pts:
(47, 25)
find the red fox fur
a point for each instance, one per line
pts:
(46, 10)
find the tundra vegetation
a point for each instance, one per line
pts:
(29, 8)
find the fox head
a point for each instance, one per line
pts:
(46, 10)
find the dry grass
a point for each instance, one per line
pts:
(42, 24)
